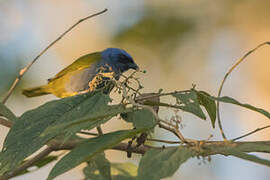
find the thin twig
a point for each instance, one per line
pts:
(27, 164)
(174, 131)
(88, 133)
(250, 133)
(25, 69)
(164, 141)
(99, 130)
(161, 94)
(224, 79)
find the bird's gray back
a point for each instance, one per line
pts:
(79, 81)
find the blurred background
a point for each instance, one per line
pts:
(178, 43)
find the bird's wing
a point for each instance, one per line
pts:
(80, 64)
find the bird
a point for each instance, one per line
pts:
(83, 75)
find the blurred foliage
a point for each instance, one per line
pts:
(98, 168)
(160, 33)
(123, 170)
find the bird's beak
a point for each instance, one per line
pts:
(135, 67)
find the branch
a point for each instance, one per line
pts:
(6, 122)
(27, 164)
(163, 141)
(206, 148)
(147, 139)
(56, 145)
(59, 145)
(25, 69)
(224, 79)
(200, 148)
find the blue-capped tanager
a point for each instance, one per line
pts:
(80, 76)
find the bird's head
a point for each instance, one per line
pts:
(119, 59)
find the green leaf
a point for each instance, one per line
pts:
(98, 168)
(124, 171)
(43, 162)
(248, 157)
(89, 149)
(160, 163)
(24, 138)
(188, 101)
(207, 101)
(209, 104)
(141, 118)
(230, 100)
(89, 121)
(6, 112)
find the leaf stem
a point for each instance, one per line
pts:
(161, 94)
(250, 133)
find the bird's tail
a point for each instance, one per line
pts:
(36, 91)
